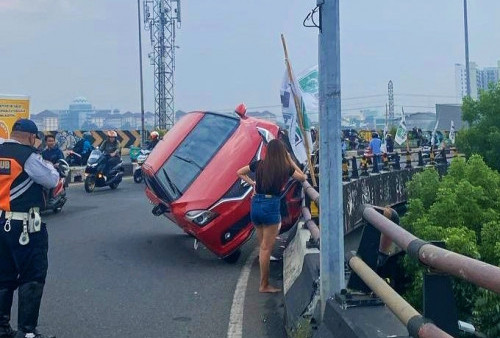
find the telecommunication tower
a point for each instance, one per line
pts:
(161, 18)
(391, 101)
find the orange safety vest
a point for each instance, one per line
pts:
(18, 192)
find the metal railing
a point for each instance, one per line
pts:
(416, 324)
(472, 270)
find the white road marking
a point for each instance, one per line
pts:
(235, 329)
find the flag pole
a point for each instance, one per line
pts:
(298, 107)
(407, 138)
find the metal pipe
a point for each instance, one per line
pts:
(310, 224)
(479, 273)
(311, 192)
(467, 67)
(143, 131)
(401, 308)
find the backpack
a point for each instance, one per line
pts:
(78, 148)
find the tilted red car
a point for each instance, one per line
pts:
(191, 178)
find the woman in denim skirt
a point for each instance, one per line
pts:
(271, 174)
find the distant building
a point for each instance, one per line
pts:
(77, 114)
(445, 113)
(422, 120)
(46, 120)
(480, 79)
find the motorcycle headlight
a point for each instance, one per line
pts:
(201, 217)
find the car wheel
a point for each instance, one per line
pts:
(233, 257)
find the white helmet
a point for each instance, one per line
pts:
(63, 168)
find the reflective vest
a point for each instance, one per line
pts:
(18, 192)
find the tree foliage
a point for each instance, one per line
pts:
(483, 135)
(463, 210)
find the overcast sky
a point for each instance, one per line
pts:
(230, 50)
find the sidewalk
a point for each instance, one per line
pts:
(264, 312)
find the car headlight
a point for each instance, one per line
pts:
(201, 217)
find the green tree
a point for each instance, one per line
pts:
(463, 210)
(483, 135)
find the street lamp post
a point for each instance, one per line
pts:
(467, 68)
(330, 183)
(143, 131)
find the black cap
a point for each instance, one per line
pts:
(25, 125)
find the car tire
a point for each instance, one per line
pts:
(233, 257)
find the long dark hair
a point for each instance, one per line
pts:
(274, 170)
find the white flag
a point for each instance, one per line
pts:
(402, 132)
(433, 136)
(452, 133)
(309, 88)
(289, 88)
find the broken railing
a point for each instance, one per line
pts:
(416, 324)
(477, 272)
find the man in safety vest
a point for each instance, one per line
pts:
(23, 236)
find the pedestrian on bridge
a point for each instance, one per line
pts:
(23, 235)
(375, 146)
(271, 174)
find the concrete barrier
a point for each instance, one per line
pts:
(300, 279)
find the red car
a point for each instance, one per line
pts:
(191, 178)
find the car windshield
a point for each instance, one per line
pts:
(194, 153)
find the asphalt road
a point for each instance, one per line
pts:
(115, 270)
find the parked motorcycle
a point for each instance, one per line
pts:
(95, 172)
(141, 158)
(57, 196)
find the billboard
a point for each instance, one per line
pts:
(12, 109)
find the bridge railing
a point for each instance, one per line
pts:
(472, 270)
(416, 324)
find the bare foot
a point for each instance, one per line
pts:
(269, 289)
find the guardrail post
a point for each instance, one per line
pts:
(397, 164)
(408, 160)
(443, 156)
(439, 302)
(420, 159)
(375, 164)
(432, 157)
(345, 170)
(354, 168)
(364, 166)
(385, 160)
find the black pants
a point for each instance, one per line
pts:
(111, 162)
(21, 264)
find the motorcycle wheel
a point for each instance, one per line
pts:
(233, 258)
(113, 186)
(57, 210)
(138, 176)
(89, 184)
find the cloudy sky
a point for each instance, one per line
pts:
(230, 51)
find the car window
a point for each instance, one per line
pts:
(195, 152)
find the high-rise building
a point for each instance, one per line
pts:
(480, 79)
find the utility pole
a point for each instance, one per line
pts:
(143, 131)
(162, 25)
(330, 185)
(390, 89)
(467, 68)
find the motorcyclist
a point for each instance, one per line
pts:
(52, 153)
(154, 139)
(111, 148)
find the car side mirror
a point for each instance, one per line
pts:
(160, 209)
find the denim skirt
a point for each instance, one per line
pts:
(265, 210)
